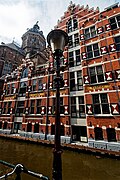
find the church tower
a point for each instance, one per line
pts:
(33, 41)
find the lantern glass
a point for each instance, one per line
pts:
(57, 39)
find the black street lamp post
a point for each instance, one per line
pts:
(57, 39)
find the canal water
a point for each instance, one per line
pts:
(76, 166)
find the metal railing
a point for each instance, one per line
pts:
(18, 169)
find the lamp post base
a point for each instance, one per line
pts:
(57, 165)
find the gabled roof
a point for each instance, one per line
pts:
(14, 47)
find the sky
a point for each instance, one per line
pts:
(18, 15)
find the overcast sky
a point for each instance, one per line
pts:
(18, 15)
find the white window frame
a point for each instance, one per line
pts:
(90, 32)
(96, 74)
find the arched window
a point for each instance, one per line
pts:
(25, 73)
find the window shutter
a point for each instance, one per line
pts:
(65, 61)
(29, 88)
(89, 109)
(100, 30)
(115, 109)
(51, 65)
(49, 110)
(66, 110)
(65, 82)
(50, 85)
(26, 111)
(82, 37)
(104, 50)
(108, 27)
(84, 55)
(86, 80)
(42, 110)
(44, 86)
(117, 72)
(112, 47)
(108, 76)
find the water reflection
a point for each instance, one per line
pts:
(76, 166)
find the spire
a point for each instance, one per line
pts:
(36, 28)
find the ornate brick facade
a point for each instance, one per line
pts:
(90, 97)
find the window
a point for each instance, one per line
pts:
(61, 106)
(115, 22)
(100, 104)
(12, 88)
(8, 89)
(71, 59)
(38, 106)
(25, 73)
(92, 51)
(90, 32)
(54, 82)
(96, 74)
(76, 39)
(117, 41)
(77, 55)
(72, 81)
(79, 81)
(73, 107)
(69, 25)
(4, 108)
(70, 41)
(23, 88)
(53, 105)
(7, 68)
(20, 108)
(72, 25)
(81, 106)
(76, 82)
(32, 105)
(34, 85)
(40, 86)
(9, 107)
(75, 24)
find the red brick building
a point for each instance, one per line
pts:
(10, 57)
(90, 98)
(94, 67)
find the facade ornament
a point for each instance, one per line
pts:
(71, 7)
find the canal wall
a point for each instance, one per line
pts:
(71, 147)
